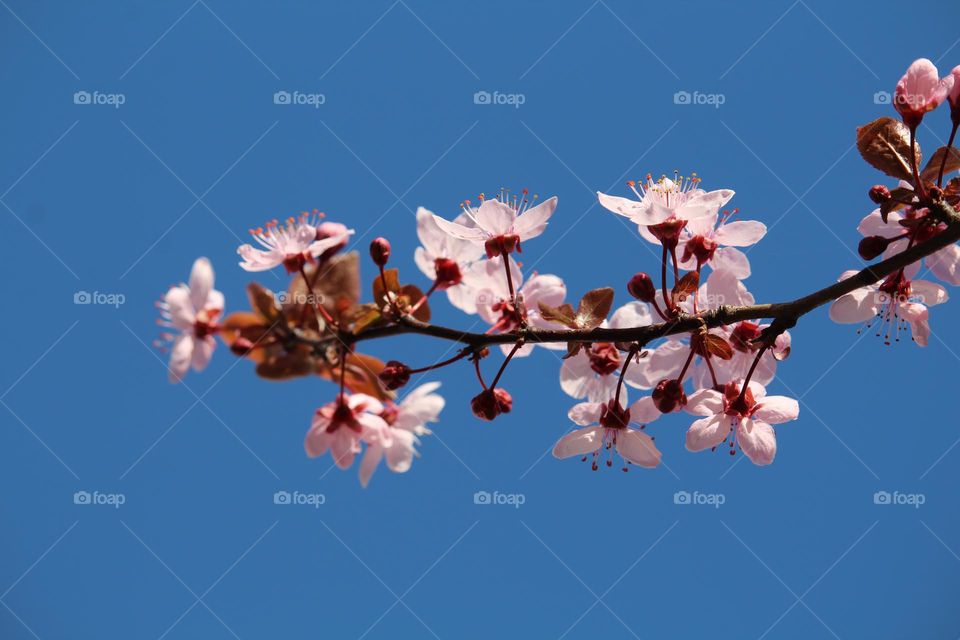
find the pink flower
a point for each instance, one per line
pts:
(500, 225)
(666, 200)
(895, 302)
(912, 224)
(749, 415)
(921, 89)
(954, 96)
(711, 240)
(606, 429)
(192, 309)
(489, 282)
(340, 426)
(445, 259)
(292, 245)
(404, 423)
(593, 373)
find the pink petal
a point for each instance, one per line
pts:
(638, 448)
(369, 462)
(777, 409)
(201, 282)
(927, 293)
(732, 260)
(708, 432)
(495, 217)
(459, 231)
(632, 314)
(873, 225)
(623, 206)
(705, 204)
(644, 411)
(741, 233)
(945, 263)
(758, 441)
(533, 221)
(854, 307)
(182, 312)
(578, 443)
(181, 354)
(585, 413)
(705, 402)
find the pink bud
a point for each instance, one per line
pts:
(380, 251)
(641, 287)
(668, 396)
(394, 375)
(879, 194)
(490, 403)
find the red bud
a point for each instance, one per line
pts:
(394, 375)
(872, 246)
(641, 287)
(879, 194)
(380, 251)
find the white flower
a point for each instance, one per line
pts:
(292, 244)
(193, 309)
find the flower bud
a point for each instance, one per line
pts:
(394, 375)
(872, 246)
(641, 287)
(668, 396)
(241, 346)
(490, 403)
(448, 273)
(879, 194)
(380, 251)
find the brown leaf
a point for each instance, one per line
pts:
(392, 277)
(365, 316)
(564, 314)
(280, 365)
(361, 375)
(336, 283)
(885, 144)
(900, 193)
(685, 286)
(932, 170)
(263, 301)
(718, 346)
(573, 348)
(413, 296)
(594, 307)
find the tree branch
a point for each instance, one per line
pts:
(784, 314)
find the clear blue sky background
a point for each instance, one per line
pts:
(121, 200)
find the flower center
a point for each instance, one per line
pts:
(743, 335)
(604, 358)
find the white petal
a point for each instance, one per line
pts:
(638, 448)
(732, 260)
(741, 233)
(455, 230)
(927, 293)
(705, 402)
(777, 409)
(854, 307)
(945, 264)
(585, 413)
(533, 221)
(201, 282)
(644, 411)
(707, 433)
(578, 443)
(495, 217)
(632, 314)
(758, 441)
(181, 354)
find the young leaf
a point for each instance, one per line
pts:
(718, 347)
(900, 193)
(685, 286)
(573, 348)
(413, 295)
(564, 314)
(932, 170)
(885, 144)
(392, 277)
(593, 308)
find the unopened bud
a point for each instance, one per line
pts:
(668, 396)
(641, 287)
(490, 403)
(879, 194)
(380, 251)
(448, 273)
(394, 375)
(872, 246)
(241, 346)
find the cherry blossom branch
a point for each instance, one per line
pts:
(784, 314)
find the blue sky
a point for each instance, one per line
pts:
(120, 198)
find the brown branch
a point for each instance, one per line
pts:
(784, 314)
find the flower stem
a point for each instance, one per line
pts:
(506, 361)
(460, 356)
(623, 372)
(943, 162)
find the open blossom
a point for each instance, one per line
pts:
(292, 244)
(749, 415)
(444, 259)
(193, 310)
(501, 225)
(921, 89)
(741, 337)
(489, 283)
(911, 224)
(711, 241)
(893, 304)
(606, 428)
(340, 426)
(593, 373)
(667, 201)
(405, 423)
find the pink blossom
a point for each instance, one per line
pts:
(606, 429)
(667, 200)
(921, 89)
(749, 415)
(954, 96)
(593, 373)
(444, 259)
(712, 240)
(500, 225)
(192, 309)
(488, 280)
(900, 227)
(341, 425)
(292, 244)
(405, 423)
(894, 303)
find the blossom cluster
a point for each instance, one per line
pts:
(717, 373)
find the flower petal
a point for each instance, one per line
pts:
(638, 448)
(707, 433)
(705, 402)
(758, 441)
(741, 233)
(585, 413)
(578, 443)
(201, 282)
(777, 409)
(533, 221)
